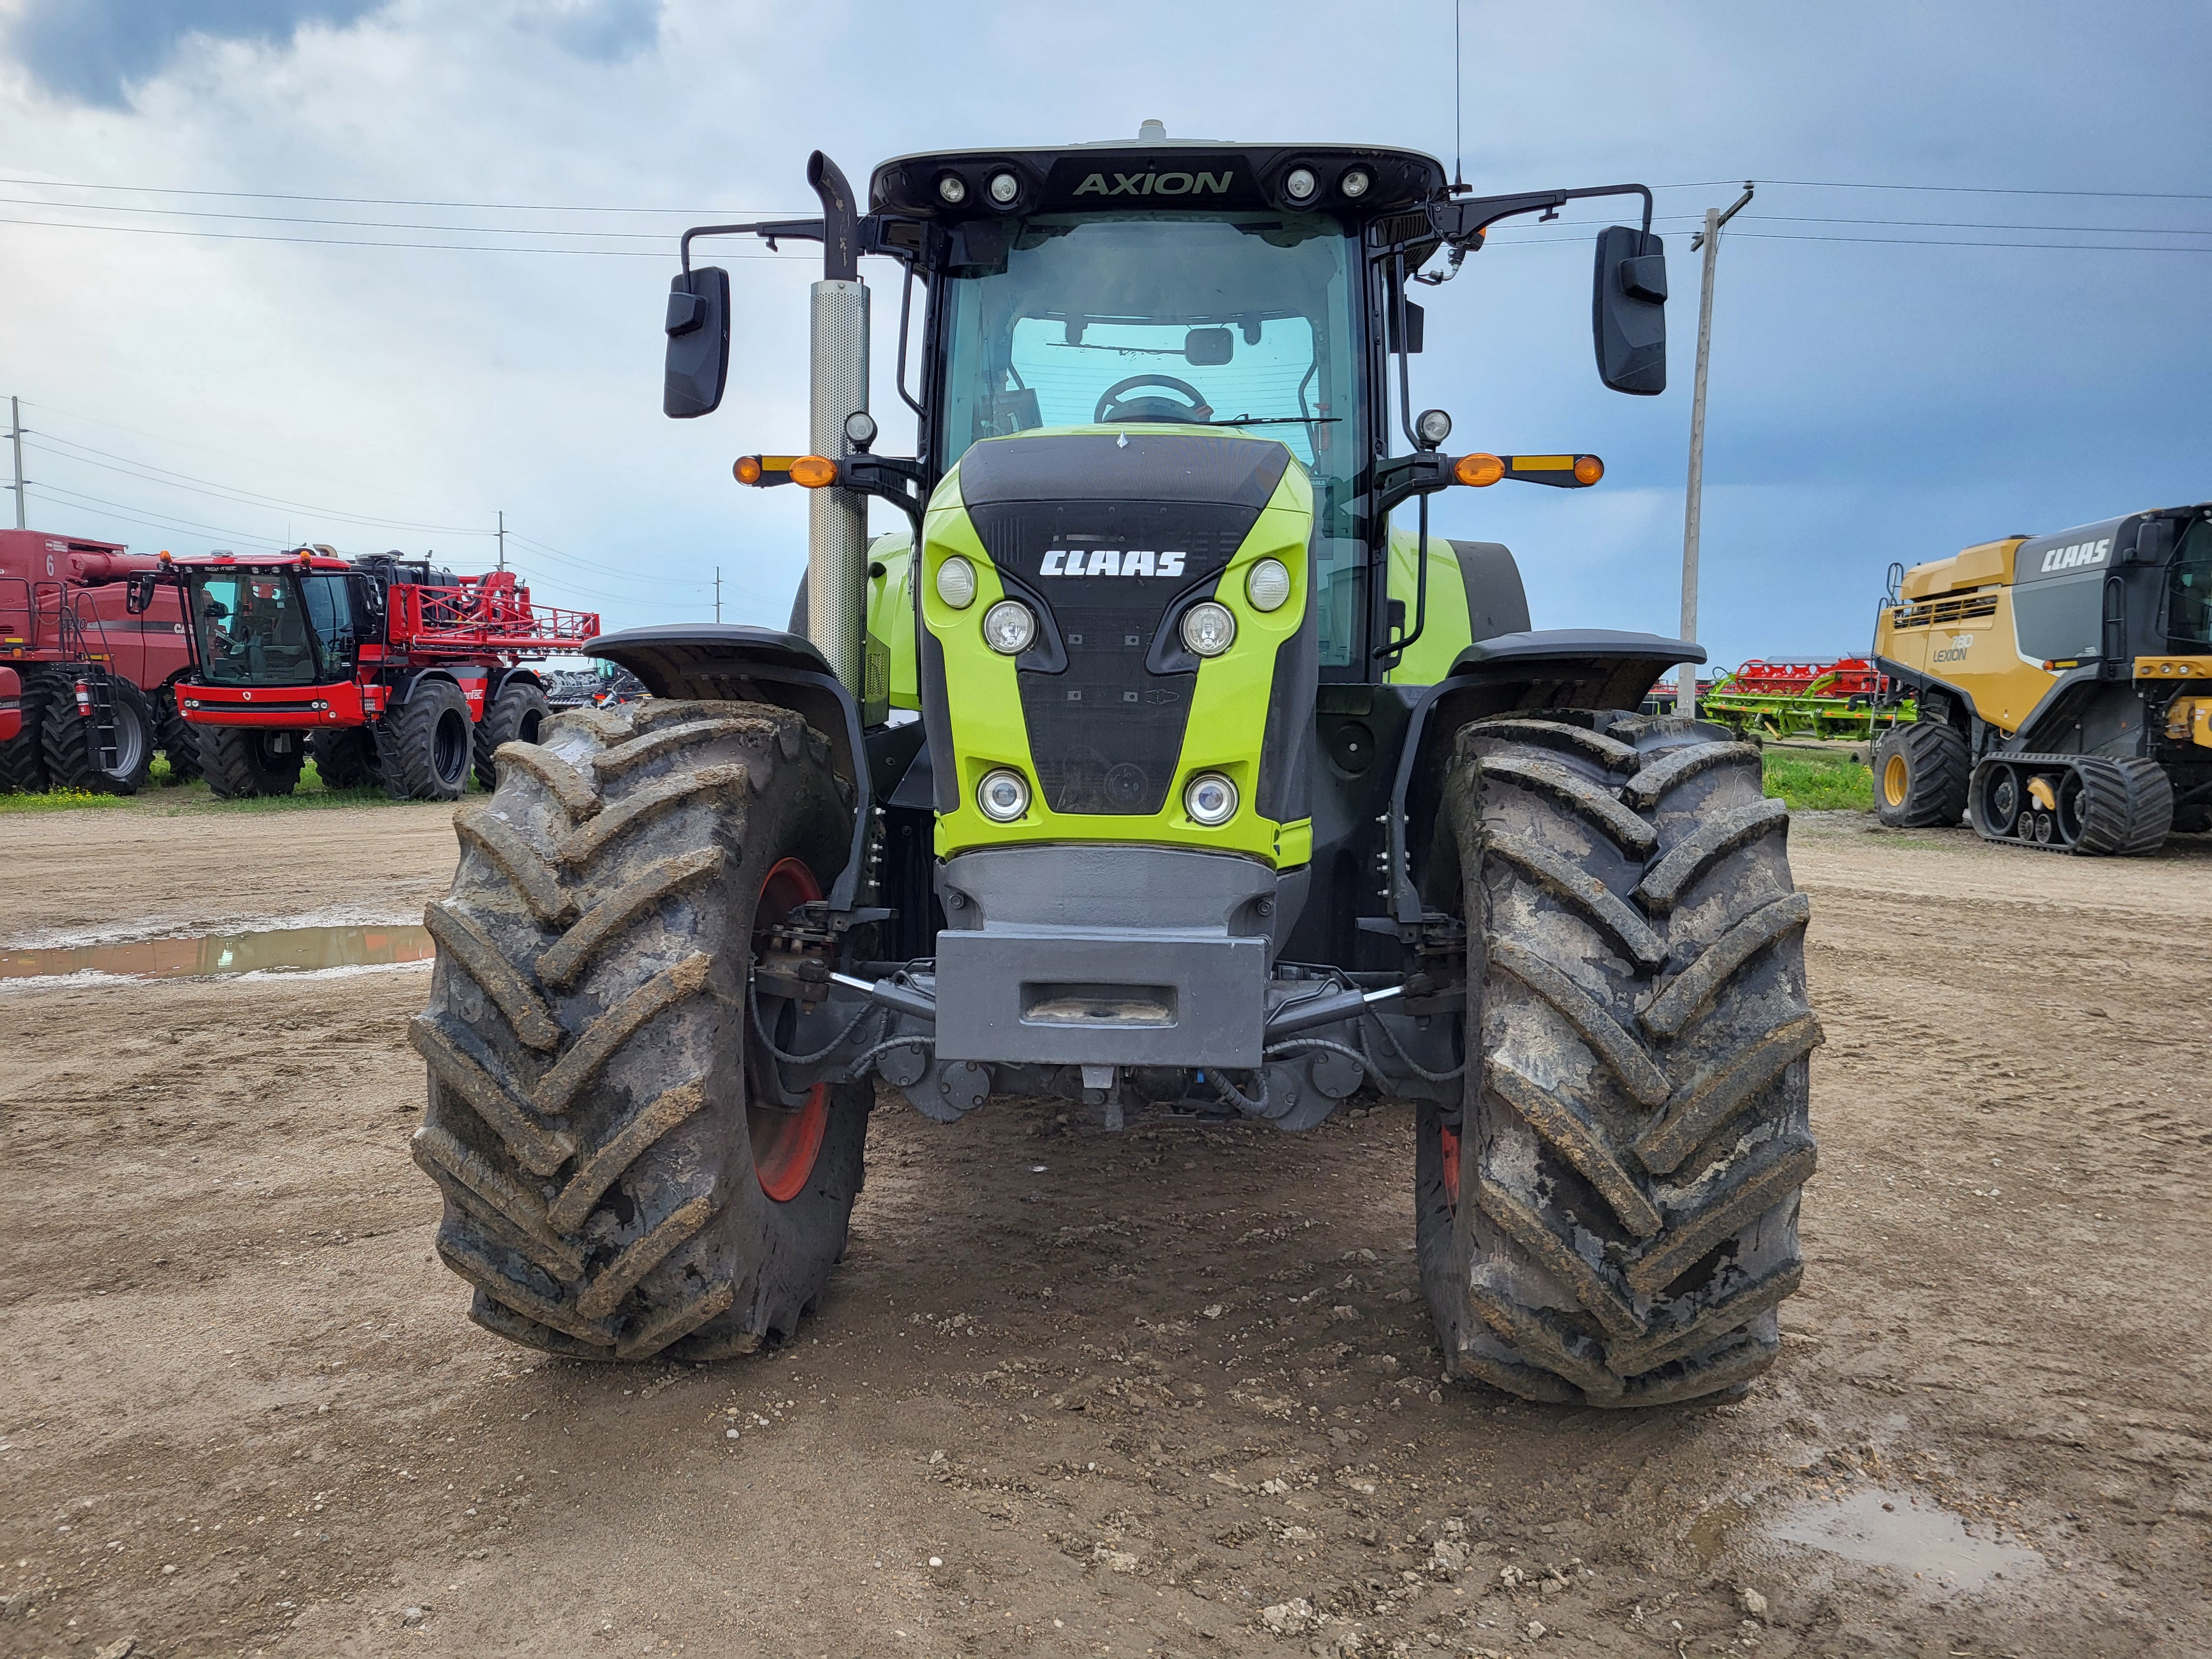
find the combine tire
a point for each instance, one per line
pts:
(1920, 774)
(517, 714)
(238, 763)
(23, 757)
(1611, 1217)
(180, 739)
(344, 759)
(73, 749)
(622, 1175)
(422, 745)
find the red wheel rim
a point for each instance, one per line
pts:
(1448, 1149)
(786, 1140)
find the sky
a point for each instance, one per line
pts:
(374, 274)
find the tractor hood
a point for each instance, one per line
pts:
(1110, 536)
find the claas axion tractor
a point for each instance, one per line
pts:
(2064, 686)
(382, 669)
(1147, 762)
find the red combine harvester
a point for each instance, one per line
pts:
(383, 669)
(89, 669)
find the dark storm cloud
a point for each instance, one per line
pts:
(93, 50)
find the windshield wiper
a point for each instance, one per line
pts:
(1274, 420)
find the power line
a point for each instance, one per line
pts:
(145, 471)
(362, 224)
(339, 241)
(388, 201)
(1957, 190)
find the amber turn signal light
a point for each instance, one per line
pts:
(747, 469)
(1588, 469)
(813, 471)
(1479, 471)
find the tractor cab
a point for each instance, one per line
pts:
(295, 620)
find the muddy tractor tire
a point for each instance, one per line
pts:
(624, 1174)
(1920, 774)
(178, 739)
(23, 757)
(73, 756)
(344, 759)
(238, 763)
(1611, 1217)
(517, 714)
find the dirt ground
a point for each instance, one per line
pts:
(1166, 1391)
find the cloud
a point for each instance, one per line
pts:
(598, 31)
(93, 51)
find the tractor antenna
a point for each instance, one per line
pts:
(1459, 72)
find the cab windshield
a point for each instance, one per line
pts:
(271, 627)
(2189, 588)
(1239, 320)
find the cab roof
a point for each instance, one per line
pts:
(1156, 173)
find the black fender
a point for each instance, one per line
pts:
(730, 662)
(501, 678)
(1550, 668)
(402, 690)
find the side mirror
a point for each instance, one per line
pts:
(2154, 542)
(1628, 311)
(138, 592)
(698, 343)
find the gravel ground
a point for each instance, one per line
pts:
(1171, 1390)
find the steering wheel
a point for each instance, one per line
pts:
(1113, 407)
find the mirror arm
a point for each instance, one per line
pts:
(1462, 225)
(903, 483)
(797, 230)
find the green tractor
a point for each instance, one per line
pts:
(1146, 763)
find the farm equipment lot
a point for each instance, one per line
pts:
(1130, 1401)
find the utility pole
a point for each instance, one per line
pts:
(1686, 691)
(718, 593)
(502, 539)
(16, 437)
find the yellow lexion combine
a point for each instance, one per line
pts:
(2064, 686)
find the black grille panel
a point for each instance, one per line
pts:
(1106, 732)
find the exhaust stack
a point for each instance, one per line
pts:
(838, 519)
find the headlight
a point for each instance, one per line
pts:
(956, 583)
(1208, 628)
(953, 188)
(1003, 188)
(1210, 799)
(1299, 184)
(1009, 626)
(1355, 182)
(1003, 795)
(1434, 426)
(1268, 584)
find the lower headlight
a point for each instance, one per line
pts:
(1009, 626)
(1210, 799)
(1208, 628)
(1003, 795)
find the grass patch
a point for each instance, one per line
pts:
(311, 794)
(57, 800)
(1813, 780)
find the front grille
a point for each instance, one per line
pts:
(1106, 731)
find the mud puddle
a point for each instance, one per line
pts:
(1896, 1529)
(213, 955)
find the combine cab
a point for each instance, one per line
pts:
(382, 669)
(1147, 763)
